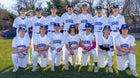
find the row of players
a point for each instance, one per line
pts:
(125, 45)
(99, 21)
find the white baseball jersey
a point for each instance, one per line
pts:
(20, 43)
(73, 40)
(57, 40)
(51, 20)
(99, 22)
(125, 42)
(106, 42)
(83, 19)
(41, 42)
(116, 22)
(67, 20)
(87, 39)
(37, 22)
(22, 22)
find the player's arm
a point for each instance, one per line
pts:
(132, 49)
(122, 51)
(44, 49)
(93, 45)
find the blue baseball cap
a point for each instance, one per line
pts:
(88, 25)
(22, 28)
(72, 26)
(115, 6)
(56, 25)
(38, 9)
(53, 7)
(44, 26)
(98, 7)
(124, 26)
(69, 5)
(22, 8)
(107, 27)
(84, 4)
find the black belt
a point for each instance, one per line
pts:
(83, 29)
(119, 55)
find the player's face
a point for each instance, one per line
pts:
(38, 13)
(88, 30)
(57, 28)
(84, 8)
(115, 10)
(22, 12)
(124, 31)
(21, 33)
(53, 11)
(42, 31)
(70, 10)
(72, 31)
(99, 11)
(106, 31)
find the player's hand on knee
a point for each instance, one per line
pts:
(71, 52)
(58, 50)
(52, 48)
(44, 55)
(21, 55)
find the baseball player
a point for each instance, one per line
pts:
(115, 21)
(88, 43)
(20, 45)
(68, 18)
(56, 44)
(99, 21)
(84, 18)
(125, 45)
(105, 48)
(22, 21)
(72, 44)
(41, 45)
(51, 19)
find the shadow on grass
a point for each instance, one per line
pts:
(60, 72)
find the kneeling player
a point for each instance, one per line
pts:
(72, 44)
(56, 42)
(105, 48)
(125, 45)
(41, 45)
(20, 45)
(88, 43)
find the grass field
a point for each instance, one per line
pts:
(6, 67)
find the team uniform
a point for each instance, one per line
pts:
(72, 41)
(56, 41)
(82, 20)
(20, 43)
(50, 22)
(41, 42)
(87, 41)
(67, 20)
(105, 44)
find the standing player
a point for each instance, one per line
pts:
(84, 18)
(125, 45)
(115, 21)
(72, 44)
(88, 43)
(56, 44)
(68, 18)
(99, 21)
(41, 45)
(22, 21)
(51, 19)
(106, 47)
(20, 45)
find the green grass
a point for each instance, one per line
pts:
(6, 67)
